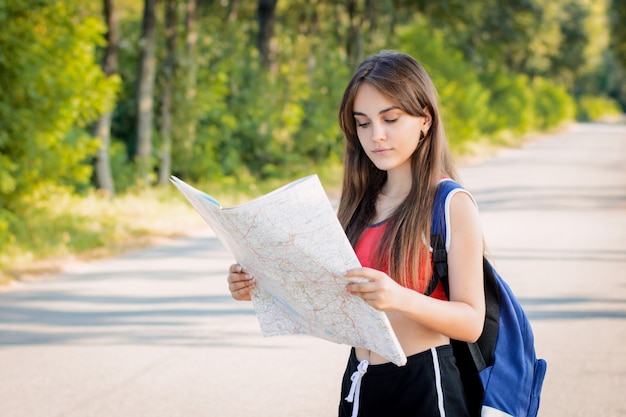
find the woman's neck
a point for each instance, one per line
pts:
(398, 184)
(388, 200)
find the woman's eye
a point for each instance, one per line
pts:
(362, 124)
(391, 120)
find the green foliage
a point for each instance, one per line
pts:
(511, 103)
(609, 79)
(255, 122)
(597, 108)
(553, 105)
(519, 105)
(483, 104)
(52, 87)
(463, 100)
(569, 58)
(493, 33)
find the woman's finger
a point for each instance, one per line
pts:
(360, 289)
(234, 278)
(238, 283)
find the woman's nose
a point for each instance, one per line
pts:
(378, 132)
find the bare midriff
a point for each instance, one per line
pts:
(413, 337)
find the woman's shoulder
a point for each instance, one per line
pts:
(448, 188)
(453, 201)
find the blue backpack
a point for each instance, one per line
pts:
(501, 373)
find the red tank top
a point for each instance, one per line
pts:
(366, 250)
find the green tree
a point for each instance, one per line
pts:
(51, 88)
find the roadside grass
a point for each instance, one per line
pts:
(67, 228)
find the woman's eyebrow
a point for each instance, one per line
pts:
(383, 111)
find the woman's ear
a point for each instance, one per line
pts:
(428, 121)
(428, 118)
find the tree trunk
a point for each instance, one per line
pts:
(191, 40)
(232, 10)
(354, 43)
(147, 70)
(617, 16)
(265, 14)
(102, 127)
(165, 168)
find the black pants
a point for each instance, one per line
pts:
(429, 385)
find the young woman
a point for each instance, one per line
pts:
(396, 154)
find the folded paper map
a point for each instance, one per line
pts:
(292, 243)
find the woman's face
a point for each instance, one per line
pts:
(388, 135)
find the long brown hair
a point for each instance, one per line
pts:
(405, 242)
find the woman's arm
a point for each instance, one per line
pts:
(460, 318)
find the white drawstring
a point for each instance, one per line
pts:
(355, 388)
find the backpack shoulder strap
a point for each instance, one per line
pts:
(439, 229)
(441, 207)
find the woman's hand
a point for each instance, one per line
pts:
(379, 291)
(240, 283)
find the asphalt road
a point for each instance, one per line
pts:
(156, 334)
